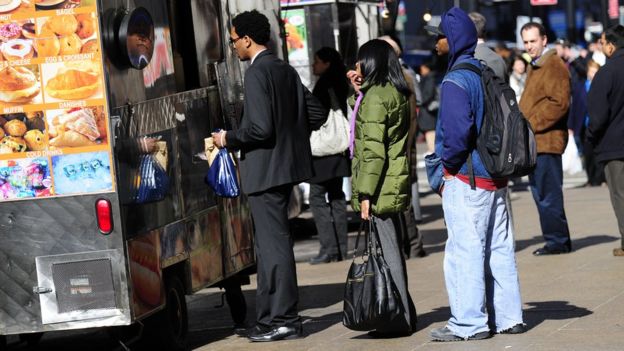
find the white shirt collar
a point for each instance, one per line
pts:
(256, 55)
(480, 41)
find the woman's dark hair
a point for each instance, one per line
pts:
(336, 65)
(335, 77)
(254, 25)
(380, 65)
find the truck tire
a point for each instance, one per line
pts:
(169, 328)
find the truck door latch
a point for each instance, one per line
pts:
(41, 290)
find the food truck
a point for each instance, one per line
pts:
(105, 218)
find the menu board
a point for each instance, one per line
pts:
(54, 128)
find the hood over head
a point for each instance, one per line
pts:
(461, 34)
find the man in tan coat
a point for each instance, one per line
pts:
(545, 103)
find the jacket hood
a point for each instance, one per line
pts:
(461, 34)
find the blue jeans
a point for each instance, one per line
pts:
(479, 260)
(546, 185)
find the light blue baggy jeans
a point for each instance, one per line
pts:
(479, 261)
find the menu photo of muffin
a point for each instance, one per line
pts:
(22, 132)
(17, 40)
(20, 85)
(73, 80)
(66, 35)
(77, 127)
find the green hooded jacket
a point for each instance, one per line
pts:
(379, 167)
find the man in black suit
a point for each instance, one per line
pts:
(275, 154)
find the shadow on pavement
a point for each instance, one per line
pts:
(552, 310)
(577, 244)
(208, 324)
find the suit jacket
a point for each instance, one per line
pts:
(492, 59)
(274, 135)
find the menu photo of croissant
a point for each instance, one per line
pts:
(66, 35)
(20, 85)
(73, 80)
(76, 127)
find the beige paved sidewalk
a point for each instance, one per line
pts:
(571, 302)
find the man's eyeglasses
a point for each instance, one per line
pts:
(234, 40)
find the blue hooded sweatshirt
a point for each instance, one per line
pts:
(461, 100)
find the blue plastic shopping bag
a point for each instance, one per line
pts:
(152, 182)
(222, 175)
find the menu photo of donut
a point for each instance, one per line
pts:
(66, 35)
(20, 85)
(23, 132)
(72, 80)
(77, 127)
(17, 40)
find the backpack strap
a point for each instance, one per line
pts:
(477, 70)
(466, 66)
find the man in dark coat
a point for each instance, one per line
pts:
(606, 120)
(273, 139)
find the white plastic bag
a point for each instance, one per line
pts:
(570, 159)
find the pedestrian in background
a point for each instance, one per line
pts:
(330, 218)
(517, 77)
(483, 52)
(595, 170)
(479, 263)
(606, 121)
(412, 238)
(545, 103)
(273, 139)
(380, 182)
(428, 114)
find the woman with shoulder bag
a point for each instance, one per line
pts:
(330, 218)
(380, 185)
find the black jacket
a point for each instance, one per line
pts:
(606, 110)
(333, 166)
(274, 135)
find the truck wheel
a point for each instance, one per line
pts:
(170, 326)
(236, 302)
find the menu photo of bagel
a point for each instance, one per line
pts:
(73, 80)
(76, 127)
(66, 35)
(20, 85)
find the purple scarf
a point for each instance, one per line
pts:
(353, 117)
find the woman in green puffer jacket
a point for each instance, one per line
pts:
(380, 185)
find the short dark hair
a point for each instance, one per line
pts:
(254, 25)
(479, 22)
(380, 65)
(615, 36)
(539, 26)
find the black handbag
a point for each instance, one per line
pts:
(371, 299)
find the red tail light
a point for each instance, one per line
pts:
(104, 212)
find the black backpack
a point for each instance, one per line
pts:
(506, 142)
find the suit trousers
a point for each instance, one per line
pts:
(276, 295)
(330, 218)
(613, 171)
(546, 185)
(389, 228)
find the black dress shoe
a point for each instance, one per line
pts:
(324, 258)
(276, 333)
(387, 335)
(543, 251)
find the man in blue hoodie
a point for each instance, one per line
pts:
(479, 263)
